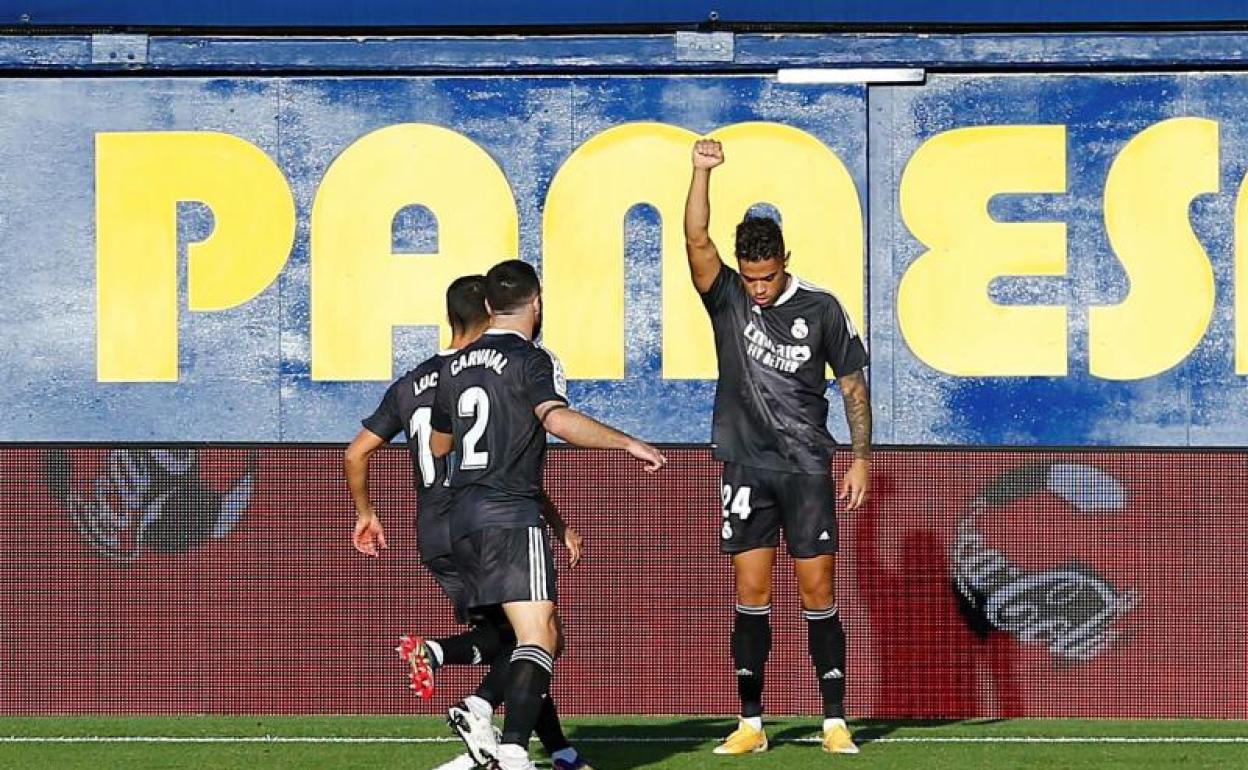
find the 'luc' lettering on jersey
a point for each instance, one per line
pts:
(771, 409)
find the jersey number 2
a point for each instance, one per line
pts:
(474, 402)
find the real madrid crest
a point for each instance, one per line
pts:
(800, 330)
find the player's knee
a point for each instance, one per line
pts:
(817, 597)
(541, 634)
(547, 639)
(753, 594)
(553, 637)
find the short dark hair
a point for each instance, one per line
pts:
(510, 284)
(758, 239)
(465, 303)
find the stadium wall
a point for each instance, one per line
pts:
(986, 583)
(1034, 259)
(235, 242)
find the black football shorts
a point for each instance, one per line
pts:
(757, 504)
(506, 565)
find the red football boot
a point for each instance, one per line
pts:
(412, 650)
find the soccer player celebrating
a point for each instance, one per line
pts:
(774, 334)
(407, 406)
(496, 401)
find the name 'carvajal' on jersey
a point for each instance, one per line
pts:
(492, 359)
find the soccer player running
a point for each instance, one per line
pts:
(407, 406)
(496, 400)
(774, 333)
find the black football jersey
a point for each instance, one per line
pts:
(408, 407)
(486, 400)
(771, 410)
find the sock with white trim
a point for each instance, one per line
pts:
(827, 652)
(751, 644)
(531, 668)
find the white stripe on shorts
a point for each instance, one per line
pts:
(537, 566)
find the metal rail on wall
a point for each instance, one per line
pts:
(721, 52)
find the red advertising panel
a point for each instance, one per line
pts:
(974, 584)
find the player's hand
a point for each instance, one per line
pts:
(652, 457)
(707, 154)
(575, 545)
(855, 484)
(369, 535)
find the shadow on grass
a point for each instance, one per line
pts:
(867, 730)
(620, 746)
(625, 745)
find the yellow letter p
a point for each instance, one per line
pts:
(140, 177)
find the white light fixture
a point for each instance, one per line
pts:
(859, 75)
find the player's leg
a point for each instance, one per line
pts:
(549, 728)
(489, 696)
(479, 644)
(514, 568)
(749, 533)
(532, 666)
(810, 529)
(472, 718)
(493, 686)
(751, 627)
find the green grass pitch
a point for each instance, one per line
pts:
(613, 743)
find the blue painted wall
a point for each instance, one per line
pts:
(245, 373)
(258, 388)
(1200, 402)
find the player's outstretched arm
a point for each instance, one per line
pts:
(857, 396)
(584, 431)
(369, 535)
(704, 261)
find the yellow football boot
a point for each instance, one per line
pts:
(744, 740)
(837, 740)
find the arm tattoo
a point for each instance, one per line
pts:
(858, 413)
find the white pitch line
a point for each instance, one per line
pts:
(996, 739)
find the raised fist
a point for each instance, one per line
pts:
(707, 153)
